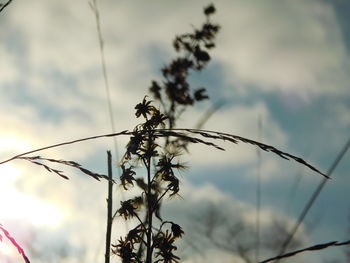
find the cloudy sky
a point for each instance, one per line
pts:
(286, 63)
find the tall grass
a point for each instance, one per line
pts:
(155, 145)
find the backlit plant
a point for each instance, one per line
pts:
(150, 162)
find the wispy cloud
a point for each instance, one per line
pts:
(53, 91)
(284, 46)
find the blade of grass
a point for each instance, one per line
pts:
(313, 198)
(312, 248)
(209, 113)
(95, 10)
(235, 139)
(66, 143)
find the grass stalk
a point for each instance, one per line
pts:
(258, 193)
(312, 248)
(149, 205)
(313, 198)
(109, 208)
(3, 6)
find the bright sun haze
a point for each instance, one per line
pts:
(19, 206)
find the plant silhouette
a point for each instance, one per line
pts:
(155, 145)
(174, 92)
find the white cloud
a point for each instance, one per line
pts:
(284, 46)
(241, 120)
(341, 112)
(82, 203)
(195, 206)
(7, 66)
(287, 46)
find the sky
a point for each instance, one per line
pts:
(285, 63)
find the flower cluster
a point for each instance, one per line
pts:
(174, 90)
(159, 158)
(163, 242)
(144, 148)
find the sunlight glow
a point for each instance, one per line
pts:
(6, 249)
(16, 205)
(14, 142)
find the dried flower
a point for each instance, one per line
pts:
(209, 10)
(127, 177)
(127, 209)
(177, 230)
(144, 108)
(124, 249)
(163, 242)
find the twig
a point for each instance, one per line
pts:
(2, 7)
(312, 248)
(109, 208)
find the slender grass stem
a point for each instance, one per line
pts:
(149, 204)
(313, 199)
(5, 5)
(109, 208)
(258, 193)
(312, 248)
(66, 143)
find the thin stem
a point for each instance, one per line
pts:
(313, 199)
(258, 193)
(164, 222)
(312, 248)
(149, 204)
(206, 133)
(109, 208)
(141, 223)
(149, 216)
(66, 143)
(96, 12)
(5, 5)
(160, 198)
